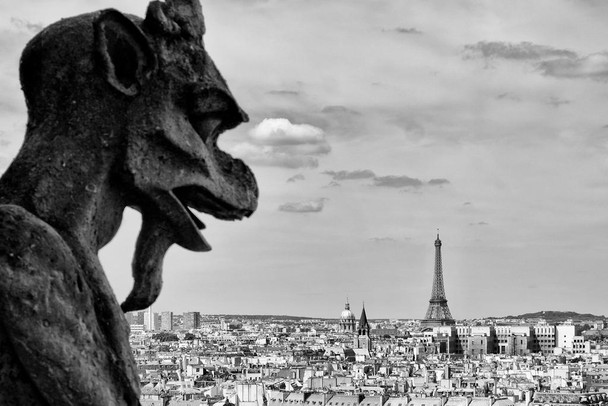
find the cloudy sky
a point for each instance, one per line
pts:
(373, 123)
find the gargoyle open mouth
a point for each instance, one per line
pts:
(200, 199)
(183, 227)
(203, 201)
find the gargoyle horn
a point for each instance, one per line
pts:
(175, 18)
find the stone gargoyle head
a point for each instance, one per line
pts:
(127, 112)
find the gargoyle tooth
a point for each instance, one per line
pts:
(197, 221)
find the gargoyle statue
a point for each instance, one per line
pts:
(121, 112)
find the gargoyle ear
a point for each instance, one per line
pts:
(123, 51)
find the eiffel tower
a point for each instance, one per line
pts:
(438, 313)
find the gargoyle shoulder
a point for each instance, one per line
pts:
(47, 314)
(29, 242)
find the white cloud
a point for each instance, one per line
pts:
(520, 51)
(280, 131)
(402, 30)
(438, 182)
(296, 178)
(397, 181)
(561, 63)
(479, 223)
(278, 142)
(26, 25)
(269, 156)
(311, 206)
(383, 239)
(348, 175)
(339, 110)
(593, 66)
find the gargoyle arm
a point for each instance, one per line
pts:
(47, 314)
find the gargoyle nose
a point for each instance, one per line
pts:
(235, 117)
(243, 115)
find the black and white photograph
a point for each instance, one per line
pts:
(273, 202)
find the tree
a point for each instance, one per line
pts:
(163, 337)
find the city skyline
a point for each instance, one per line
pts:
(555, 318)
(372, 124)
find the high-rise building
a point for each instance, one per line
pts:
(438, 313)
(166, 321)
(545, 338)
(135, 318)
(192, 320)
(139, 317)
(130, 318)
(347, 320)
(149, 319)
(157, 321)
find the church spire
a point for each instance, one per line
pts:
(363, 323)
(363, 339)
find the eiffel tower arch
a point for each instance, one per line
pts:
(438, 313)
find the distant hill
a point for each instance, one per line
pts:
(268, 317)
(556, 316)
(264, 317)
(550, 316)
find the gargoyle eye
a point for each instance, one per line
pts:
(216, 104)
(210, 102)
(206, 113)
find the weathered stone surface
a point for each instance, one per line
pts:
(121, 112)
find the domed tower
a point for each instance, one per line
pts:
(348, 323)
